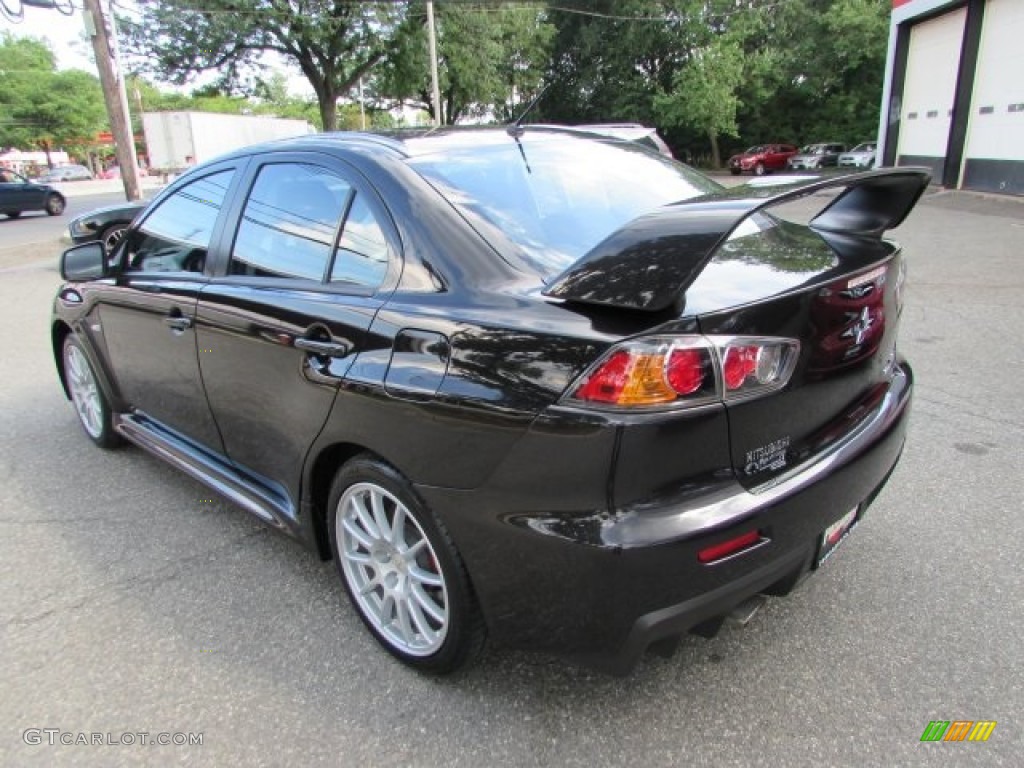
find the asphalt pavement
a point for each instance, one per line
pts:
(133, 600)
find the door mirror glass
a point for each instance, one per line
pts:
(87, 261)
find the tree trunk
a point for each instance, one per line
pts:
(329, 109)
(46, 149)
(716, 156)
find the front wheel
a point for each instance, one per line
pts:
(91, 405)
(55, 205)
(112, 235)
(734, 171)
(13, 214)
(759, 169)
(401, 569)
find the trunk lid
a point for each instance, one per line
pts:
(840, 298)
(834, 286)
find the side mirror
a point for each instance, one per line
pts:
(87, 261)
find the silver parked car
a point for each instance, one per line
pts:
(861, 156)
(65, 173)
(815, 156)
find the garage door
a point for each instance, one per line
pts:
(994, 154)
(929, 88)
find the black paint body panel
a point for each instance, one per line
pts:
(579, 527)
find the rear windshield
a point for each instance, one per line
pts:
(556, 199)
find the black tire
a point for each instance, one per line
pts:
(734, 171)
(55, 204)
(760, 170)
(111, 236)
(91, 405)
(382, 575)
(13, 214)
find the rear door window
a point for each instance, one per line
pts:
(290, 223)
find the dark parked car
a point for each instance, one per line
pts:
(107, 225)
(815, 156)
(530, 384)
(18, 194)
(761, 159)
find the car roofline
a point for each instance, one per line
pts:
(398, 141)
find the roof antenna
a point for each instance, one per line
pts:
(515, 129)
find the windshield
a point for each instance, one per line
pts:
(557, 198)
(754, 150)
(813, 149)
(864, 148)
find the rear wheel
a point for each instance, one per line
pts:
(91, 405)
(55, 205)
(401, 569)
(13, 214)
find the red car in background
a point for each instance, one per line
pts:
(761, 159)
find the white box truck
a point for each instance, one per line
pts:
(176, 140)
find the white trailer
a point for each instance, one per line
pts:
(176, 140)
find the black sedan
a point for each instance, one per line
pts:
(531, 384)
(18, 194)
(107, 224)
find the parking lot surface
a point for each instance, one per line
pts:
(134, 600)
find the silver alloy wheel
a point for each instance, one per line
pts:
(84, 392)
(392, 570)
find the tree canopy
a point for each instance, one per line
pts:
(704, 72)
(42, 107)
(491, 60)
(332, 42)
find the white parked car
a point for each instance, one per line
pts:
(861, 156)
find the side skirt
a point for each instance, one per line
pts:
(213, 471)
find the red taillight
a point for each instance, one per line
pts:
(737, 364)
(686, 371)
(728, 548)
(648, 373)
(605, 385)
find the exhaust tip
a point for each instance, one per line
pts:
(745, 611)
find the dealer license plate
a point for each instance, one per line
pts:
(835, 535)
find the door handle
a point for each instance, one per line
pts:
(322, 348)
(178, 323)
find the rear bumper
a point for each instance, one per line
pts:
(604, 585)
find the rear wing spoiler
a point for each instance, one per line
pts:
(649, 263)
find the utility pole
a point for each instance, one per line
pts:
(435, 88)
(112, 81)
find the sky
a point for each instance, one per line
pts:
(66, 37)
(64, 34)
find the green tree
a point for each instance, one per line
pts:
(812, 69)
(703, 95)
(609, 59)
(42, 107)
(491, 60)
(332, 42)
